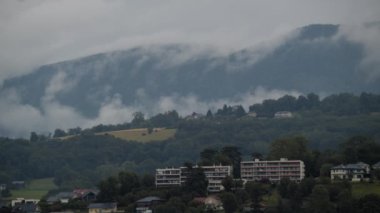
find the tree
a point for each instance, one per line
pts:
(6, 193)
(209, 114)
(345, 202)
(138, 118)
(229, 201)
(208, 156)
(233, 153)
(196, 181)
(256, 192)
(148, 180)
(59, 133)
(370, 203)
(227, 183)
(360, 148)
(325, 170)
(33, 137)
(109, 189)
(292, 148)
(319, 201)
(128, 181)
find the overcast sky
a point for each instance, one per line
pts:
(36, 32)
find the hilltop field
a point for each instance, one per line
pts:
(139, 134)
(142, 134)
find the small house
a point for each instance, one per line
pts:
(283, 114)
(146, 204)
(102, 208)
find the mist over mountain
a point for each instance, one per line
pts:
(109, 87)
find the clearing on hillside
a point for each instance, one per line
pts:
(142, 135)
(36, 189)
(361, 189)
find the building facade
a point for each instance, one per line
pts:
(168, 177)
(177, 176)
(354, 172)
(273, 171)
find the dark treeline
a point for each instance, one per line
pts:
(340, 104)
(343, 104)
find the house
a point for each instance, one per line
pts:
(26, 208)
(18, 184)
(252, 114)
(62, 197)
(146, 204)
(102, 208)
(211, 203)
(194, 116)
(3, 186)
(354, 172)
(273, 171)
(283, 114)
(19, 201)
(85, 194)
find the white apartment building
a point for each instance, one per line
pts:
(177, 176)
(274, 171)
(168, 177)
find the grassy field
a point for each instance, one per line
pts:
(35, 189)
(361, 189)
(142, 135)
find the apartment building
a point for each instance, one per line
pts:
(168, 177)
(177, 176)
(273, 171)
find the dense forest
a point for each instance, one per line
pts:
(326, 125)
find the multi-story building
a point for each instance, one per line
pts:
(215, 175)
(168, 177)
(273, 171)
(177, 176)
(353, 172)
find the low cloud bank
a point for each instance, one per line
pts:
(18, 120)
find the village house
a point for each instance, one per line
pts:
(145, 205)
(354, 172)
(102, 208)
(283, 114)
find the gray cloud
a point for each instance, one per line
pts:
(40, 31)
(369, 36)
(19, 120)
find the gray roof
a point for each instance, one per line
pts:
(149, 199)
(61, 195)
(359, 165)
(102, 205)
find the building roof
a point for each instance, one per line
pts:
(61, 195)
(83, 192)
(149, 199)
(102, 205)
(359, 165)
